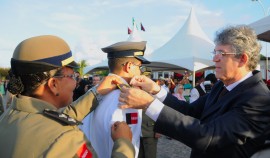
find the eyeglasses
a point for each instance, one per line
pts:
(220, 53)
(142, 68)
(139, 65)
(73, 76)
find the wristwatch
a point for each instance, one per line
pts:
(96, 94)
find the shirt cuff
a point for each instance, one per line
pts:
(161, 95)
(154, 109)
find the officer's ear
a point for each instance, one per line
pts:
(53, 84)
(127, 66)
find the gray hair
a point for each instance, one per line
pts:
(177, 88)
(242, 39)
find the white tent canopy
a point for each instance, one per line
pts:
(97, 67)
(190, 48)
(262, 28)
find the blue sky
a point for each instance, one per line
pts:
(88, 25)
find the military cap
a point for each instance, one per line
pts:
(40, 54)
(127, 49)
(162, 78)
(146, 70)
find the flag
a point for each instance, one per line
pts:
(133, 21)
(142, 28)
(129, 31)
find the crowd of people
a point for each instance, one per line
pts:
(84, 84)
(182, 88)
(227, 113)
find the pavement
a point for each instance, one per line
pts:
(170, 148)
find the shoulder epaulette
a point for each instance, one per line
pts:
(61, 117)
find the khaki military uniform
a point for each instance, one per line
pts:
(148, 143)
(28, 130)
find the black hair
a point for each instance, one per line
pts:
(26, 84)
(211, 77)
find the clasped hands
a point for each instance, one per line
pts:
(139, 94)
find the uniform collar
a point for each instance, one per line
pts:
(31, 105)
(123, 80)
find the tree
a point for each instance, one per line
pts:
(4, 72)
(262, 57)
(101, 72)
(82, 65)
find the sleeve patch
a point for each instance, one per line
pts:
(84, 152)
(132, 118)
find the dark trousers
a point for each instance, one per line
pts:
(148, 147)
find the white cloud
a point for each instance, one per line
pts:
(59, 17)
(90, 50)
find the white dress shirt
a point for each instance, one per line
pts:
(97, 125)
(194, 93)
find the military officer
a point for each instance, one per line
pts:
(149, 139)
(42, 122)
(124, 60)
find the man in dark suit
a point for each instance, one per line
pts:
(220, 124)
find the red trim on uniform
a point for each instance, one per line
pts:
(84, 152)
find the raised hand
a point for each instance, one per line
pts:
(145, 84)
(121, 130)
(108, 84)
(134, 98)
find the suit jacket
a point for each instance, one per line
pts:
(233, 126)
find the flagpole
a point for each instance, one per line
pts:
(266, 12)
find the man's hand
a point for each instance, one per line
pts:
(134, 98)
(145, 84)
(121, 130)
(108, 84)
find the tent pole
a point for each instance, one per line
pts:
(193, 79)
